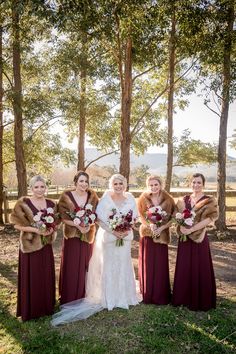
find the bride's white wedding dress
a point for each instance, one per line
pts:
(110, 279)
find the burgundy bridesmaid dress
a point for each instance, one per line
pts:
(154, 272)
(36, 280)
(194, 281)
(74, 266)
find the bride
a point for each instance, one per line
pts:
(110, 279)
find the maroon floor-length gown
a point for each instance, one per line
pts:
(36, 279)
(74, 266)
(194, 281)
(154, 272)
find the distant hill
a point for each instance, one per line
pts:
(157, 163)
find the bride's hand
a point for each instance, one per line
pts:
(119, 234)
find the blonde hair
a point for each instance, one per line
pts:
(120, 178)
(154, 177)
(35, 179)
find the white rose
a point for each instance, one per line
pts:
(92, 217)
(89, 207)
(178, 216)
(36, 218)
(188, 222)
(50, 210)
(80, 213)
(152, 210)
(77, 221)
(49, 219)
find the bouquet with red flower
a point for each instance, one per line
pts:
(156, 215)
(83, 216)
(45, 220)
(186, 219)
(121, 222)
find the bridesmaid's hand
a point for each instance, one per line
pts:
(154, 230)
(45, 232)
(158, 231)
(153, 227)
(185, 231)
(83, 229)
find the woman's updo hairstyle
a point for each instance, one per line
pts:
(199, 175)
(35, 179)
(153, 177)
(120, 178)
(78, 174)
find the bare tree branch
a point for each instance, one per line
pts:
(6, 124)
(144, 72)
(5, 163)
(98, 158)
(214, 99)
(212, 110)
(135, 129)
(9, 80)
(41, 125)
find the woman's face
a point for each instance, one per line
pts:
(197, 184)
(82, 184)
(154, 186)
(118, 186)
(38, 189)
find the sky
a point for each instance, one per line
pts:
(203, 124)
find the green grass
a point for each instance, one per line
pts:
(142, 329)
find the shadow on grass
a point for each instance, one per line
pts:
(37, 336)
(142, 329)
(178, 330)
(8, 272)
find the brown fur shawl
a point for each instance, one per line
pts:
(22, 215)
(205, 208)
(65, 205)
(166, 203)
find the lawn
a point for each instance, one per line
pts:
(142, 329)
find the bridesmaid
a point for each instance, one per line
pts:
(194, 281)
(153, 251)
(76, 251)
(36, 273)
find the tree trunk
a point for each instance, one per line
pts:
(82, 122)
(221, 173)
(82, 113)
(1, 130)
(170, 104)
(126, 101)
(17, 102)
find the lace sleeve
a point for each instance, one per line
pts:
(104, 226)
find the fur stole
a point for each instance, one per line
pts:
(22, 215)
(166, 203)
(65, 205)
(205, 208)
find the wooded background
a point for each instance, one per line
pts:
(112, 72)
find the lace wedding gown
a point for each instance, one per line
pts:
(110, 280)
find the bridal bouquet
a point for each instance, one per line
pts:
(45, 220)
(186, 219)
(121, 222)
(83, 216)
(156, 215)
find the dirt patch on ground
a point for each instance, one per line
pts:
(223, 254)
